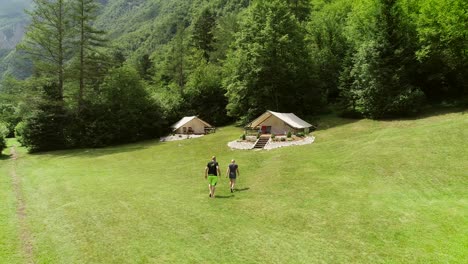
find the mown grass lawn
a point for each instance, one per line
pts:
(364, 192)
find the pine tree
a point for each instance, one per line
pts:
(48, 42)
(203, 32)
(88, 40)
(376, 79)
(300, 8)
(269, 66)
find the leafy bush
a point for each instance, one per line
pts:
(289, 134)
(409, 101)
(19, 131)
(202, 89)
(273, 135)
(121, 112)
(9, 114)
(242, 136)
(300, 134)
(3, 133)
(44, 129)
(124, 113)
(350, 113)
(2, 144)
(283, 139)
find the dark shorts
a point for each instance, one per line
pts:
(232, 177)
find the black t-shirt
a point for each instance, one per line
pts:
(232, 170)
(212, 168)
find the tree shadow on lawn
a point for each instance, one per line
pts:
(5, 157)
(329, 121)
(232, 195)
(325, 122)
(242, 189)
(100, 152)
(430, 111)
(224, 196)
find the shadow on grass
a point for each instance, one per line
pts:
(429, 112)
(5, 157)
(100, 152)
(242, 189)
(328, 121)
(331, 121)
(224, 196)
(232, 195)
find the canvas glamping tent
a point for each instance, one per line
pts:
(192, 125)
(278, 123)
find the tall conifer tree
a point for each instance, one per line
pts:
(47, 41)
(203, 32)
(269, 66)
(88, 39)
(376, 78)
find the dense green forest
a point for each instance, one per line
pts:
(95, 73)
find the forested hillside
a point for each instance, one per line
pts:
(13, 21)
(108, 72)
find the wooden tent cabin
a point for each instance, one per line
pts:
(278, 123)
(192, 125)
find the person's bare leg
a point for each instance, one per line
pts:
(213, 192)
(209, 188)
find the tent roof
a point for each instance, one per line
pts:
(187, 119)
(289, 118)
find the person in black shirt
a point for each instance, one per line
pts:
(233, 172)
(211, 173)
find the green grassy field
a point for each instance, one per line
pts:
(364, 192)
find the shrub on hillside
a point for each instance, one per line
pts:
(19, 131)
(202, 89)
(408, 102)
(123, 113)
(2, 144)
(350, 113)
(3, 133)
(9, 113)
(44, 129)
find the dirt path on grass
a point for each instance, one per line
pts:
(25, 233)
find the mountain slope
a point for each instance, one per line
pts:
(143, 27)
(13, 21)
(134, 27)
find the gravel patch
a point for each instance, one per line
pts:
(240, 144)
(279, 144)
(271, 144)
(179, 137)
